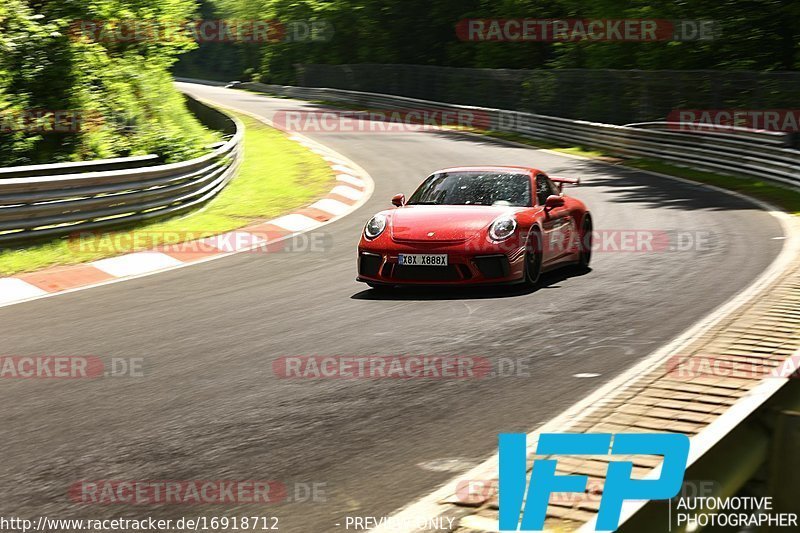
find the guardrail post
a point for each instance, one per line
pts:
(784, 467)
(719, 474)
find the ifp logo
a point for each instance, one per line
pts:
(618, 487)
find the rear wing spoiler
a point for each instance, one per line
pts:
(562, 182)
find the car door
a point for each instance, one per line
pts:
(558, 226)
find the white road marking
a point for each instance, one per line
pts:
(352, 180)
(329, 205)
(295, 222)
(12, 289)
(454, 464)
(342, 168)
(334, 160)
(234, 241)
(137, 263)
(586, 375)
(347, 192)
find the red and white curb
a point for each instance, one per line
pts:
(353, 188)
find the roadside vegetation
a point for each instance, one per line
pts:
(759, 35)
(115, 98)
(276, 176)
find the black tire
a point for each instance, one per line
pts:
(533, 259)
(585, 256)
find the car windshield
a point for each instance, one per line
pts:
(474, 188)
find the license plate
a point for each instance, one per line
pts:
(422, 259)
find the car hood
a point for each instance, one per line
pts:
(452, 223)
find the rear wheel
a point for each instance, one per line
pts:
(533, 258)
(586, 243)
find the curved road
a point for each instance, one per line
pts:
(209, 406)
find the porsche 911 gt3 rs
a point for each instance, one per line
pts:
(476, 225)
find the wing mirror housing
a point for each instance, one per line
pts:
(554, 201)
(399, 200)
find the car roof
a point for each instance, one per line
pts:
(489, 168)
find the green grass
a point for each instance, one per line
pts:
(276, 176)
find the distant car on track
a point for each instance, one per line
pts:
(476, 225)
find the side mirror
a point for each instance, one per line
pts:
(399, 200)
(554, 201)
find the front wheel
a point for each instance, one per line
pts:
(585, 256)
(533, 259)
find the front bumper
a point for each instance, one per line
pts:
(479, 267)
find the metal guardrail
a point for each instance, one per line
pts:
(47, 201)
(210, 83)
(774, 138)
(614, 96)
(761, 156)
(763, 448)
(121, 163)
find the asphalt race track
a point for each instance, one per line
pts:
(210, 407)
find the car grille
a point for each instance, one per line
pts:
(426, 273)
(493, 266)
(368, 264)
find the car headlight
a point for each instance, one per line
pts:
(375, 226)
(502, 228)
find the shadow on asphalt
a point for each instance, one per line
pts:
(550, 280)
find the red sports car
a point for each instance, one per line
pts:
(476, 225)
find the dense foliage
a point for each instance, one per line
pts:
(124, 91)
(755, 35)
(121, 90)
